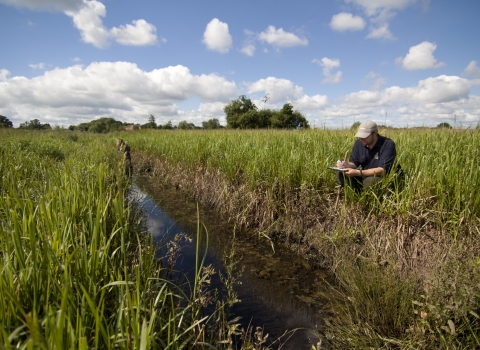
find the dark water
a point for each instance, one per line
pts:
(278, 291)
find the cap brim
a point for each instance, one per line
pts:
(362, 134)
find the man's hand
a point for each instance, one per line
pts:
(352, 172)
(345, 164)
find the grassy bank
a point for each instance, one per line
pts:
(77, 269)
(406, 259)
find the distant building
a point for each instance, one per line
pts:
(133, 127)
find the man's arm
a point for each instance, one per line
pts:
(369, 172)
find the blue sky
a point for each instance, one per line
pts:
(403, 62)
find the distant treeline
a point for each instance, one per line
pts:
(241, 113)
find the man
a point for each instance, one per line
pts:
(372, 157)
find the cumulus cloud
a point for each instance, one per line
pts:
(376, 79)
(248, 50)
(346, 21)
(278, 89)
(420, 57)
(87, 18)
(118, 89)
(217, 37)
(279, 38)
(380, 32)
(203, 113)
(472, 70)
(40, 5)
(380, 12)
(37, 65)
(375, 7)
(431, 101)
(4, 74)
(249, 43)
(309, 103)
(139, 33)
(328, 65)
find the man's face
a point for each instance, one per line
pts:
(367, 141)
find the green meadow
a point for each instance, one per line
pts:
(78, 269)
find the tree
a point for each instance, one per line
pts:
(186, 126)
(242, 113)
(264, 117)
(211, 124)
(287, 118)
(99, 126)
(236, 109)
(168, 126)
(5, 123)
(104, 125)
(355, 126)
(151, 123)
(34, 124)
(444, 125)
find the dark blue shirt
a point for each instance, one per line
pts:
(382, 155)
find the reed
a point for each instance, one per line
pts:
(77, 267)
(441, 165)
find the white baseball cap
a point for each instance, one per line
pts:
(366, 128)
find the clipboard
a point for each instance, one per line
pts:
(337, 169)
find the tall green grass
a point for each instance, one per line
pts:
(77, 270)
(385, 244)
(441, 165)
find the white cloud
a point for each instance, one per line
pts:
(430, 102)
(472, 70)
(377, 80)
(380, 12)
(279, 38)
(346, 21)
(432, 90)
(118, 89)
(311, 102)
(217, 37)
(37, 66)
(248, 50)
(278, 89)
(56, 5)
(421, 57)
(139, 34)
(374, 7)
(211, 110)
(4, 74)
(87, 18)
(249, 43)
(328, 65)
(333, 78)
(380, 32)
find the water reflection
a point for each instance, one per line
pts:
(278, 291)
